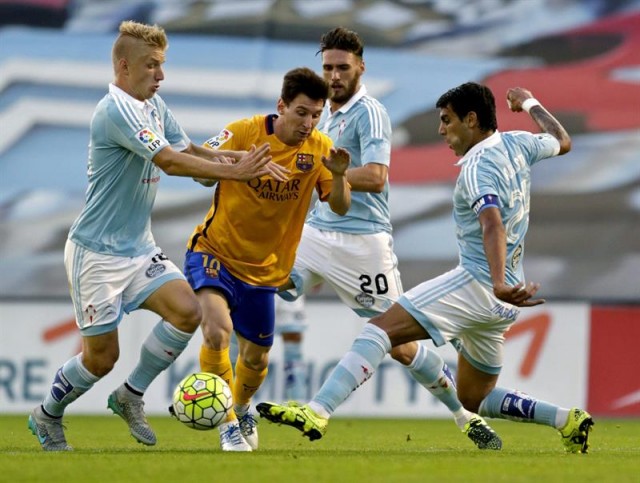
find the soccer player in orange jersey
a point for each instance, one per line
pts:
(245, 247)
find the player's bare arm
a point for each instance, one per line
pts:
(369, 178)
(279, 173)
(340, 196)
(516, 96)
(252, 165)
(495, 247)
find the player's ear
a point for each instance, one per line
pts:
(280, 105)
(471, 119)
(123, 65)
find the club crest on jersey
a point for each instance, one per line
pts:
(149, 139)
(304, 161)
(365, 300)
(216, 141)
(155, 269)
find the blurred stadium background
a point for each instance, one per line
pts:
(226, 60)
(582, 58)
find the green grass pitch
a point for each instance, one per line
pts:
(354, 450)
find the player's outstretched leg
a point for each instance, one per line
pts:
(575, 434)
(303, 418)
(130, 407)
(231, 438)
(481, 434)
(48, 430)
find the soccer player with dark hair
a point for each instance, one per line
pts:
(245, 247)
(473, 305)
(354, 253)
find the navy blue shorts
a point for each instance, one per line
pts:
(252, 307)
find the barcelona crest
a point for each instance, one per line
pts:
(304, 162)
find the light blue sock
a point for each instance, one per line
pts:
(428, 368)
(517, 406)
(163, 345)
(295, 377)
(71, 381)
(357, 365)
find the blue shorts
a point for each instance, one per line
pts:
(251, 307)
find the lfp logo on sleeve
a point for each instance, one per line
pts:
(149, 139)
(217, 141)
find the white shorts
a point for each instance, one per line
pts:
(290, 316)
(362, 269)
(103, 287)
(455, 307)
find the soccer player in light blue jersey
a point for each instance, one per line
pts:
(112, 261)
(473, 305)
(354, 253)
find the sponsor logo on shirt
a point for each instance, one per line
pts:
(304, 162)
(149, 139)
(217, 141)
(273, 190)
(517, 256)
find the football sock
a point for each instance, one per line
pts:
(218, 362)
(70, 382)
(517, 406)
(247, 382)
(429, 369)
(162, 346)
(357, 365)
(295, 378)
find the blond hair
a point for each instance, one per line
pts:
(152, 35)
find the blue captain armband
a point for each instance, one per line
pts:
(485, 202)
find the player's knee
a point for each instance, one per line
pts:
(404, 354)
(215, 335)
(100, 364)
(189, 317)
(256, 360)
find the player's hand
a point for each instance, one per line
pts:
(516, 96)
(253, 164)
(277, 172)
(338, 161)
(224, 160)
(519, 295)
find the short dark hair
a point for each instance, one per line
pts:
(472, 97)
(341, 38)
(303, 80)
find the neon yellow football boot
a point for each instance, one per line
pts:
(575, 434)
(303, 418)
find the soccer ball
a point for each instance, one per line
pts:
(201, 401)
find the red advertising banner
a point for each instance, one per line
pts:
(614, 362)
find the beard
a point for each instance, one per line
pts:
(349, 91)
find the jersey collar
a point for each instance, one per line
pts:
(350, 103)
(484, 144)
(116, 91)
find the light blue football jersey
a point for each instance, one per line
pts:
(125, 136)
(363, 128)
(499, 165)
